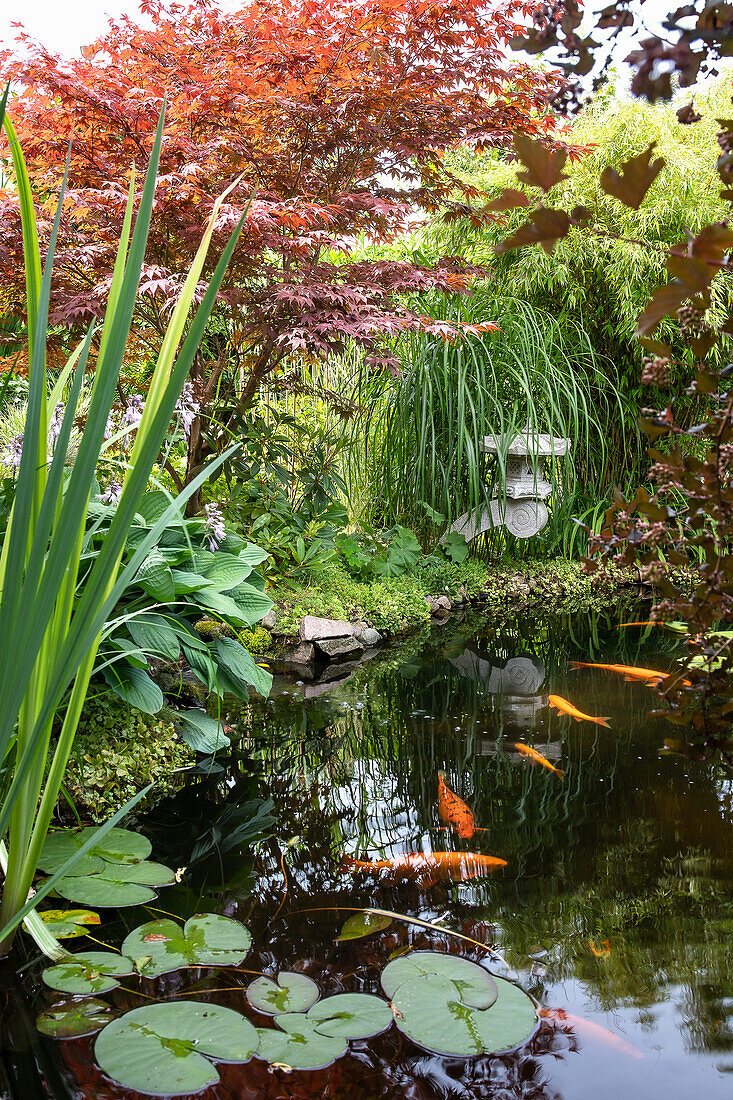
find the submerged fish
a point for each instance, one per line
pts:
(536, 757)
(593, 1031)
(630, 672)
(565, 707)
(454, 811)
(427, 868)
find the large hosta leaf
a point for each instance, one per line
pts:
(155, 635)
(472, 985)
(116, 885)
(164, 1049)
(224, 571)
(134, 686)
(350, 1016)
(296, 1043)
(89, 972)
(252, 603)
(201, 732)
(240, 666)
(118, 846)
(290, 993)
(74, 1019)
(207, 939)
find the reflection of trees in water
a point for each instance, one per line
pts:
(626, 849)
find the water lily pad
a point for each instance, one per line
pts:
(207, 939)
(164, 1049)
(116, 846)
(350, 1016)
(441, 1023)
(66, 923)
(473, 986)
(363, 924)
(298, 1044)
(75, 1019)
(117, 884)
(291, 992)
(90, 972)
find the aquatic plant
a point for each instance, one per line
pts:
(442, 1002)
(49, 637)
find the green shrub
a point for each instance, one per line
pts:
(118, 750)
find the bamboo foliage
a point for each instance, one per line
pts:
(49, 631)
(425, 432)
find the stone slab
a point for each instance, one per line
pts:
(338, 649)
(314, 629)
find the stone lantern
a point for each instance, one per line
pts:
(522, 510)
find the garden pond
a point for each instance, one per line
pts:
(614, 910)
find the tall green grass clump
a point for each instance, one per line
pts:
(425, 429)
(54, 603)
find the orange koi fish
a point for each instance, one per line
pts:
(601, 952)
(587, 1027)
(565, 707)
(427, 868)
(536, 757)
(630, 672)
(454, 811)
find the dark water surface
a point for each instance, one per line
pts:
(630, 856)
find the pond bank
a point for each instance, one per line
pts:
(338, 618)
(119, 750)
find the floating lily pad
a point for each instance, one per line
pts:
(350, 1016)
(290, 993)
(363, 924)
(66, 923)
(207, 939)
(473, 986)
(116, 884)
(298, 1044)
(439, 1022)
(116, 846)
(164, 1049)
(90, 972)
(75, 1019)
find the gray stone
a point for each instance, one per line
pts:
(303, 654)
(368, 636)
(338, 649)
(443, 602)
(269, 620)
(313, 629)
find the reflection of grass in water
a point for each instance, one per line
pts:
(414, 714)
(610, 853)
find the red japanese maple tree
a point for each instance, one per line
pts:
(335, 114)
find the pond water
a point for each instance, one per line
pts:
(616, 903)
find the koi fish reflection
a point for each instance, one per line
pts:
(427, 868)
(536, 757)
